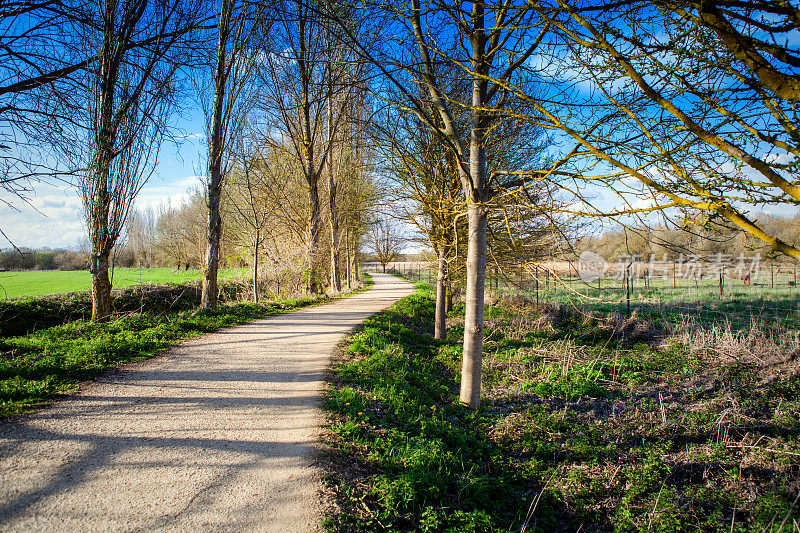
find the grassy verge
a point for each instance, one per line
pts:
(591, 424)
(40, 361)
(32, 283)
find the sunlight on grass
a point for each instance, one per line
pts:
(44, 282)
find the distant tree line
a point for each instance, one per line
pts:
(43, 259)
(673, 242)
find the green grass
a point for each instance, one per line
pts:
(45, 353)
(739, 303)
(45, 282)
(581, 428)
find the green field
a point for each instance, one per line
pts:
(43, 282)
(588, 422)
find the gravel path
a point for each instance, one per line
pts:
(216, 434)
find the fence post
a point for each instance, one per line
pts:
(772, 274)
(536, 283)
(721, 278)
(628, 287)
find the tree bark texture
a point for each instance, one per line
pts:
(255, 268)
(313, 235)
(473, 320)
(210, 292)
(101, 288)
(440, 328)
(476, 233)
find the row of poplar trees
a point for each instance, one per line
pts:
(571, 109)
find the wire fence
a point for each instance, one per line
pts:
(769, 295)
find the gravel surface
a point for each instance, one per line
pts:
(218, 433)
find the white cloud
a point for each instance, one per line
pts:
(780, 159)
(174, 193)
(53, 218)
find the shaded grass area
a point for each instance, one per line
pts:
(43, 282)
(43, 357)
(587, 424)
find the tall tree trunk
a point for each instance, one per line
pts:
(347, 252)
(336, 281)
(255, 268)
(336, 278)
(476, 233)
(106, 135)
(440, 326)
(309, 168)
(210, 292)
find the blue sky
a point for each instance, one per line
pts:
(54, 219)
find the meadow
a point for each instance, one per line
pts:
(48, 346)
(773, 301)
(19, 284)
(591, 420)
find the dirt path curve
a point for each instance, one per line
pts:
(216, 434)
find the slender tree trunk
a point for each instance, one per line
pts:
(210, 292)
(476, 241)
(255, 269)
(356, 274)
(473, 320)
(336, 281)
(347, 252)
(336, 278)
(440, 330)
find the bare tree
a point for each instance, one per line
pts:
(491, 43)
(48, 51)
(311, 86)
(130, 92)
(426, 191)
(358, 196)
(386, 240)
(240, 25)
(247, 203)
